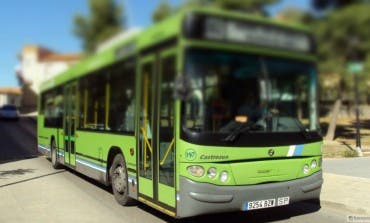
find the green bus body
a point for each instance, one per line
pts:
(168, 165)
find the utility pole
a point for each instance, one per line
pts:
(358, 139)
(355, 68)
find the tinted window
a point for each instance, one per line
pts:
(52, 108)
(107, 99)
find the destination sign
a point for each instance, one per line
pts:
(245, 31)
(255, 33)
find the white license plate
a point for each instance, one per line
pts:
(268, 203)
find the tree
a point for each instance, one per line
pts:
(334, 32)
(164, 10)
(296, 15)
(250, 6)
(104, 20)
(333, 4)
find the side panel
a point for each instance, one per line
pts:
(92, 150)
(44, 136)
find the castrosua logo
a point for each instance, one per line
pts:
(190, 154)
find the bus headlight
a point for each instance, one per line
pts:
(313, 164)
(224, 176)
(196, 171)
(212, 172)
(305, 169)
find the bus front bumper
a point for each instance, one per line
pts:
(201, 198)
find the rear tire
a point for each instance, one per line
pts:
(54, 156)
(119, 180)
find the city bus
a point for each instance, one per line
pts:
(207, 111)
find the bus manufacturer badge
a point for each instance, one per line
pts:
(271, 152)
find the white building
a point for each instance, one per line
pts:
(38, 64)
(11, 96)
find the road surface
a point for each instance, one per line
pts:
(32, 191)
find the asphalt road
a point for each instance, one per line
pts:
(17, 139)
(32, 191)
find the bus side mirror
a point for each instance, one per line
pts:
(182, 88)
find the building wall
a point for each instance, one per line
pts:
(38, 64)
(14, 99)
(35, 72)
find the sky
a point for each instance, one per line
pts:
(50, 24)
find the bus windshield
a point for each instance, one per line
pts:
(260, 94)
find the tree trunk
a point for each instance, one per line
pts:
(333, 122)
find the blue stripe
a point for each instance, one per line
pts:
(92, 165)
(298, 150)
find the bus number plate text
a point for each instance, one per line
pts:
(268, 203)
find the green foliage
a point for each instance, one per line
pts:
(296, 15)
(164, 9)
(327, 4)
(350, 153)
(335, 34)
(104, 20)
(251, 6)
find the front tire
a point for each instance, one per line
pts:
(119, 180)
(54, 157)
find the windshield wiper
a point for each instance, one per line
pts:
(243, 127)
(305, 132)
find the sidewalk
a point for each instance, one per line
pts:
(24, 170)
(352, 193)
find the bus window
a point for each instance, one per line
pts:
(166, 136)
(122, 100)
(145, 125)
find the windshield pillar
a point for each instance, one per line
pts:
(313, 100)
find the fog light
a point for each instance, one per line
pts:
(313, 164)
(212, 172)
(306, 169)
(196, 171)
(224, 176)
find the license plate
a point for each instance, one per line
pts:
(268, 203)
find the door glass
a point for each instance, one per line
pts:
(166, 123)
(146, 123)
(72, 116)
(66, 122)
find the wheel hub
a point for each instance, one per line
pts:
(119, 179)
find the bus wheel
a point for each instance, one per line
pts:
(119, 180)
(54, 160)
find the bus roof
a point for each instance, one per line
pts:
(151, 36)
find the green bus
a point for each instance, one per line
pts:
(207, 111)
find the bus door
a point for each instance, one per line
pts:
(156, 142)
(69, 123)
